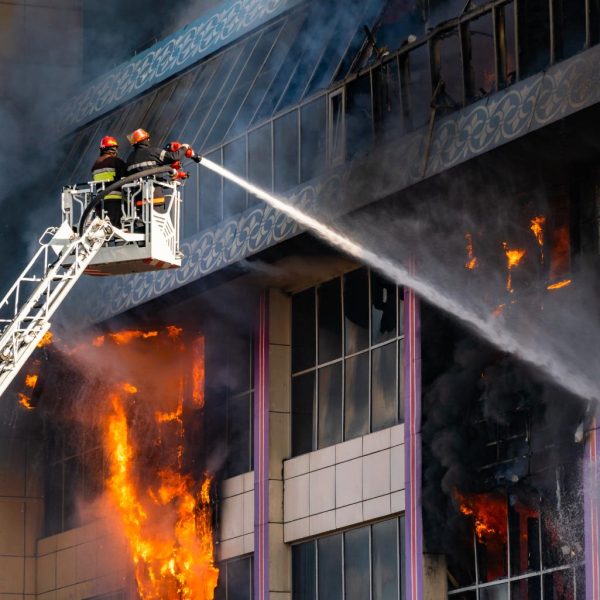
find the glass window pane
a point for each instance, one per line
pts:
(356, 405)
(527, 589)
(303, 400)
(239, 363)
(330, 567)
(383, 309)
(234, 159)
(359, 116)
(260, 159)
(285, 151)
(559, 585)
(303, 330)
(400, 311)
(534, 37)
(416, 87)
(303, 572)
(210, 195)
(239, 438)
(449, 68)
(505, 19)
(495, 592)
(524, 524)
(569, 27)
(330, 320)
(337, 128)
(385, 560)
(480, 57)
(239, 579)
(401, 381)
(356, 564)
(384, 387)
(356, 310)
(330, 405)
(312, 138)
(387, 104)
(402, 539)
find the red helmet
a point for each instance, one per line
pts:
(108, 142)
(139, 135)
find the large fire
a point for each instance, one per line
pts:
(167, 521)
(489, 513)
(167, 517)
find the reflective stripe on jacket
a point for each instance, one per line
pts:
(108, 168)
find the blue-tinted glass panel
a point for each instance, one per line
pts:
(359, 116)
(385, 560)
(356, 402)
(239, 434)
(330, 405)
(303, 330)
(384, 387)
(329, 299)
(329, 552)
(210, 195)
(304, 574)
(234, 159)
(260, 159)
(303, 402)
(356, 310)
(356, 564)
(285, 152)
(239, 579)
(383, 309)
(312, 139)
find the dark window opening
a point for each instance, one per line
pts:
(534, 37)
(569, 27)
(479, 52)
(416, 87)
(313, 124)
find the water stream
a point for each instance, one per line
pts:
(488, 327)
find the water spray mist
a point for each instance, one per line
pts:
(489, 328)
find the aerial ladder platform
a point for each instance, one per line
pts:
(145, 239)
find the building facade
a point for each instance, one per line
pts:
(377, 424)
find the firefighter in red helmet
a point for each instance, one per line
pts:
(108, 168)
(145, 156)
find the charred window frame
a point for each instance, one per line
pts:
(480, 52)
(447, 65)
(347, 360)
(387, 99)
(363, 563)
(235, 579)
(415, 77)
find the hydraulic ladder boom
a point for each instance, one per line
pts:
(27, 308)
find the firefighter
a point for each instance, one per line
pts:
(145, 156)
(108, 168)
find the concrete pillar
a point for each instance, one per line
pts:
(435, 581)
(272, 445)
(280, 361)
(21, 510)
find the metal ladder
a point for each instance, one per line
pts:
(27, 308)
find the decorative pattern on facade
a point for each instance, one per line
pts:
(529, 105)
(176, 52)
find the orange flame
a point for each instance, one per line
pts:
(498, 310)
(181, 566)
(559, 284)
(472, 260)
(125, 337)
(46, 340)
(25, 401)
(489, 512)
(513, 258)
(31, 380)
(167, 522)
(537, 229)
(198, 372)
